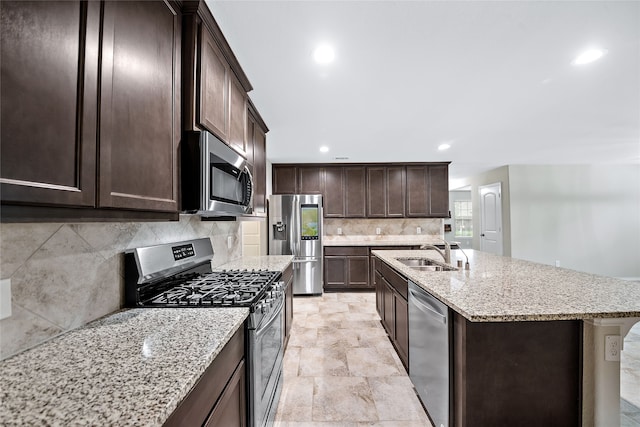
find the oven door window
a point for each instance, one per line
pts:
(269, 347)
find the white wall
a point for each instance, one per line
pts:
(587, 217)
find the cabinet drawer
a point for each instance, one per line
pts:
(346, 250)
(396, 280)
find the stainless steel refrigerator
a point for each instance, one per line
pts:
(295, 228)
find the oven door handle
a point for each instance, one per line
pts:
(268, 323)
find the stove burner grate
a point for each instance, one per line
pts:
(221, 289)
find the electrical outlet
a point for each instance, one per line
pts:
(418, 230)
(377, 230)
(612, 348)
(5, 298)
(339, 231)
(229, 242)
(557, 263)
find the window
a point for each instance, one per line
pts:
(463, 218)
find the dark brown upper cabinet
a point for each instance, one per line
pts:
(355, 192)
(112, 83)
(256, 155)
(213, 111)
(49, 102)
(310, 180)
(333, 196)
(285, 180)
(140, 106)
(439, 191)
(215, 86)
(298, 180)
(428, 191)
(370, 190)
(237, 116)
(385, 192)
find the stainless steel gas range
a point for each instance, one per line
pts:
(180, 275)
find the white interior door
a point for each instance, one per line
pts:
(491, 218)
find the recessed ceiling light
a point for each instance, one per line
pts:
(589, 56)
(324, 149)
(443, 147)
(324, 54)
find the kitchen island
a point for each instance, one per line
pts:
(529, 315)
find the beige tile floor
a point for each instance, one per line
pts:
(340, 370)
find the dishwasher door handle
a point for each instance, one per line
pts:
(420, 305)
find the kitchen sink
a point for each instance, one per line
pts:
(424, 264)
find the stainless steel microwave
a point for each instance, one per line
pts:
(216, 180)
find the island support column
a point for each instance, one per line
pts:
(601, 378)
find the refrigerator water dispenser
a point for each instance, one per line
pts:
(279, 231)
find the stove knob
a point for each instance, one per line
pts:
(269, 301)
(262, 307)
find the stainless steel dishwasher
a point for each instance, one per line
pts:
(429, 358)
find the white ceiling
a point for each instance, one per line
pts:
(495, 78)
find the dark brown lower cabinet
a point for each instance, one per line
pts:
(219, 397)
(378, 285)
(401, 327)
(346, 268)
(287, 278)
(393, 308)
(517, 373)
(372, 258)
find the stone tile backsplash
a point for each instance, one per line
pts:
(388, 226)
(66, 275)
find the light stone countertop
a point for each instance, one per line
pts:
(498, 288)
(266, 262)
(381, 240)
(131, 368)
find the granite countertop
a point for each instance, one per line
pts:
(266, 262)
(129, 368)
(498, 288)
(381, 240)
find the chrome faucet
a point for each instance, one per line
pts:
(466, 266)
(447, 250)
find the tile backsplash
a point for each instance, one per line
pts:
(66, 275)
(387, 226)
